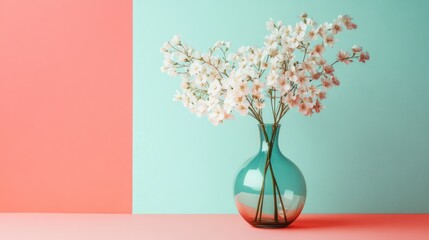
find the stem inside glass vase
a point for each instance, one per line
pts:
(270, 140)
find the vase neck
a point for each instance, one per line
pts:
(266, 133)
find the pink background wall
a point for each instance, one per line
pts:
(66, 106)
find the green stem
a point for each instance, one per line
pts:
(270, 150)
(261, 194)
(281, 202)
(276, 189)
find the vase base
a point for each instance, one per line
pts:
(269, 224)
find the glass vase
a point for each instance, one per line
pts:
(269, 190)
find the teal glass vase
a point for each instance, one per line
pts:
(269, 190)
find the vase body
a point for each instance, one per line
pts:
(269, 190)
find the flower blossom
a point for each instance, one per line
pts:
(175, 40)
(330, 40)
(364, 56)
(344, 57)
(356, 49)
(347, 20)
(336, 28)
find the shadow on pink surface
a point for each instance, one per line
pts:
(359, 221)
(323, 221)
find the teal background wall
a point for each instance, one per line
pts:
(366, 152)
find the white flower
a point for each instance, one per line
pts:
(292, 42)
(257, 86)
(260, 104)
(212, 102)
(206, 57)
(312, 34)
(274, 61)
(200, 81)
(225, 83)
(179, 56)
(242, 88)
(310, 22)
(302, 79)
(177, 96)
(224, 66)
(322, 29)
(271, 43)
(188, 99)
(218, 44)
(168, 63)
(272, 79)
(242, 50)
(227, 45)
(239, 99)
(232, 57)
(195, 68)
(196, 55)
(175, 40)
(250, 72)
(172, 72)
(329, 40)
(200, 108)
(217, 115)
(291, 74)
(164, 48)
(285, 32)
(308, 66)
(270, 24)
(300, 37)
(336, 28)
(214, 88)
(300, 27)
(284, 85)
(185, 84)
(229, 102)
(243, 108)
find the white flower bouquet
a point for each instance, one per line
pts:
(290, 71)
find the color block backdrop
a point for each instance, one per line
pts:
(366, 152)
(77, 136)
(65, 106)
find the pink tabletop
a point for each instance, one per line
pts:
(207, 227)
